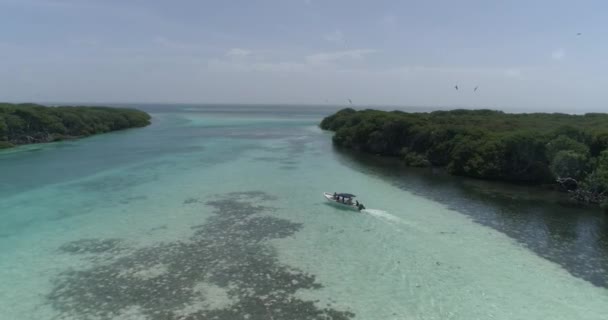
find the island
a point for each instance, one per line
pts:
(33, 123)
(568, 151)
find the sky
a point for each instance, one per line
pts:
(522, 55)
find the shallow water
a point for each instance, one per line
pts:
(217, 212)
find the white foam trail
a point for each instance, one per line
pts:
(384, 215)
(394, 220)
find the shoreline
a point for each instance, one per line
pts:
(24, 124)
(550, 151)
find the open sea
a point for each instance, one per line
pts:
(216, 212)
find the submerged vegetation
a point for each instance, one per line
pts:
(536, 148)
(32, 123)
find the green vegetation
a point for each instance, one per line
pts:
(32, 123)
(536, 148)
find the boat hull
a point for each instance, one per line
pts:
(330, 198)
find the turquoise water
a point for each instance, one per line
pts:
(216, 212)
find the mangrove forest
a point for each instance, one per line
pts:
(32, 123)
(570, 151)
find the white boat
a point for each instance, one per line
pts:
(345, 200)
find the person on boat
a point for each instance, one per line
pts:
(335, 195)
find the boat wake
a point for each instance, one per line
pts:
(399, 223)
(381, 214)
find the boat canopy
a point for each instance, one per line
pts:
(346, 195)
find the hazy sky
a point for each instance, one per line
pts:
(522, 54)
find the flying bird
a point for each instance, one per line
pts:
(350, 101)
(456, 87)
(475, 89)
(578, 34)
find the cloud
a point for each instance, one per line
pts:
(238, 53)
(86, 42)
(388, 20)
(329, 57)
(513, 72)
(46, 3)
(248, 66)
(336, 37)
(178, 45)
(311, 63)
(558, 54)
(163, 41)
(9, 46)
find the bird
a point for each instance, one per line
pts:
(475, 89)
(456, 87)
(578, 34)
(350, 101)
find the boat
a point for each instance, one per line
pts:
(344, 200)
